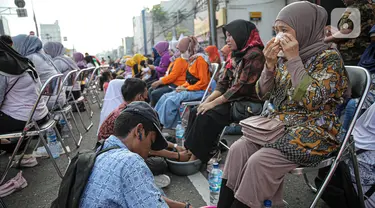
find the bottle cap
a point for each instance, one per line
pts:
(216, 165)
(267, 203)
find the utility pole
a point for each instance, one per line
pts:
(144, 30)
(212, 16)
(152, 30)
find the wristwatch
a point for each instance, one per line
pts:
(175, 146)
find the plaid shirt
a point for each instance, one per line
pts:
(106, 129)
(239, 81)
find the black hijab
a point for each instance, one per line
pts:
(12, 62)
(244, 34)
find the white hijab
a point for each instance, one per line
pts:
(112, 99)
(364, 130)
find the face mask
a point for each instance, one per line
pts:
(185, 55)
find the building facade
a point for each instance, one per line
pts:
(50, 32)
(128, 46)
(4, 26)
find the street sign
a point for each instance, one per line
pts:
(20, 3)
(21, 12)
(255, 16)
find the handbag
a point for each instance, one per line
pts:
(262, 130)
(241, 110)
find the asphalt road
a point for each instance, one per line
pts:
(43, 181)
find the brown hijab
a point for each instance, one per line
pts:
(191, 44)
(308, 20)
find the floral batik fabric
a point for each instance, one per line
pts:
(308, 110)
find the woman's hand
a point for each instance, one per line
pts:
(156, 84)
(184, 156)
(290, 46)
(180, 89)
(270, 53)
(204, 107)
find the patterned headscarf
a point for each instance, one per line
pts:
(190, 44)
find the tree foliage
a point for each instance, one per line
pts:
(159, 16)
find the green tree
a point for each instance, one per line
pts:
(159, 16)
(179, 30)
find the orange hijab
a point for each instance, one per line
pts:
(213, 53)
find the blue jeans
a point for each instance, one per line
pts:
(169, 104)
(349, 112)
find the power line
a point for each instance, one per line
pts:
(192, 12)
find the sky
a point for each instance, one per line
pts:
(89, 25)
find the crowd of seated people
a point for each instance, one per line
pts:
(300, 74)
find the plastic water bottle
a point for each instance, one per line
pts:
(180, 131)
(214, 180)
(267, 203)
(52, 143)
(65, 126)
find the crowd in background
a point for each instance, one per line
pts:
(300, 73)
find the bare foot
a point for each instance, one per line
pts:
(193, 157)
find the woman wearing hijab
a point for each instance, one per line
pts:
(19, 89)
(237, 84)
(63, 63)
(79, 58)
(304, 88)
(31, 47)
(213, 54)
(197, 79)
(175, 76)
(351, 48)
(162, 48)
(156, 57)
(137, 67)
(225, 51)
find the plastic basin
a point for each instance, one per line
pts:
(184, 168)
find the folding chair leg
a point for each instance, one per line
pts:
(62, 142)
(23, 153)
(41, 138)
(2, 203)
(325, 183)
(312, 187)
(221, 136)
(5, 173)
(87, 104)
(97, 99)
(70, 129)
(76, 125)
(81, 118)
(357, 176)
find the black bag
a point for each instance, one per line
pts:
(340, 192)
(190, 78)
(241, 110)
(74, 182)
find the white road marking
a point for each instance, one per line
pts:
(201, 185)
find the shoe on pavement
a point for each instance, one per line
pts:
(162, 180)
(27, 162)
(14, 184)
